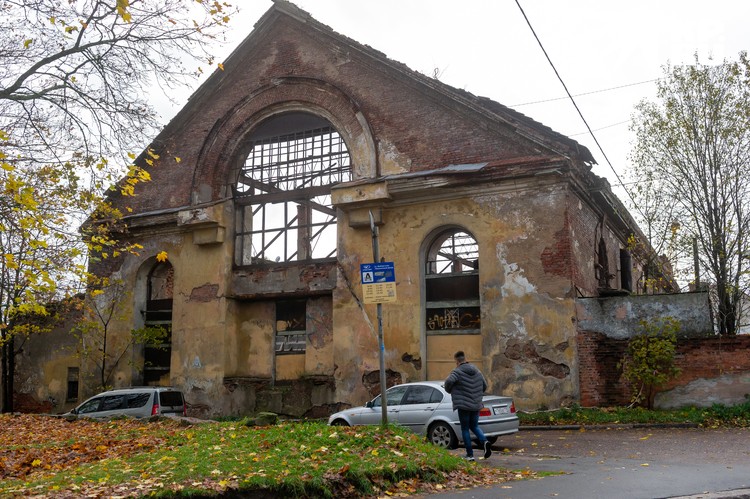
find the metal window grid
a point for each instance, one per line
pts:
(458, 253)
(283, 196)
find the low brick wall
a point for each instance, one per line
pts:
(702, 360)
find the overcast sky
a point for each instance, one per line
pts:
(607, 53)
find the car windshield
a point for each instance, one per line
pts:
(395, 395)
(90, 406)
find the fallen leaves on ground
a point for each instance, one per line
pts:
(36, 444)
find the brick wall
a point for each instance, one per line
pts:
(601, 383)
(289, 67)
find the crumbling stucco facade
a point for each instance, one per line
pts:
(431, 164)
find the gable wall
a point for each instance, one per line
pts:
(415, 129)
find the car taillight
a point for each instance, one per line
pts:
(512, 408)
(485, 411)
(184, 410)
(155, 409)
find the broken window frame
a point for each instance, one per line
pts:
(283, 195)
(294, 314)
(158, 313)
(452, 301)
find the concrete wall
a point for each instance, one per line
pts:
(619, 316)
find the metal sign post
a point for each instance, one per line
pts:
(381, 345)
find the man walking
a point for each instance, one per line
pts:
(466, 384)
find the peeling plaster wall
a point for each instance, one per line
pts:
(201, 320)
(200, 314)
(41, 381)
(527, 346)
(251, 343)
(318, 359)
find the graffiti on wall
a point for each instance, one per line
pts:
(453, 318)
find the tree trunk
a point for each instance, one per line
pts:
(8, 369)
(727, 315)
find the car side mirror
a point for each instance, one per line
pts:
(369, 404)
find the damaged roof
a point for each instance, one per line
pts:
(523, 125)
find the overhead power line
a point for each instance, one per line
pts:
(586, 93)
(600, 128)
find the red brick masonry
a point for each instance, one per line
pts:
(600, 378)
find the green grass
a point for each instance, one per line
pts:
(708, 417)
(289, 460)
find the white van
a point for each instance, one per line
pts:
(140, 402)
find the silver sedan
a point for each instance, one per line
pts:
(426, 408)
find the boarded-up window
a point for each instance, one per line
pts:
(291, 326)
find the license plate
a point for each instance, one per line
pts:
(500, 409)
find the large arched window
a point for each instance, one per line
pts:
(283, 190)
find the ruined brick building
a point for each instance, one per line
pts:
(495, 224)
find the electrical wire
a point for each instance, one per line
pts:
(577, 108)
(600, 128)
(586, 93)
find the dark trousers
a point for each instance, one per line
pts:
(470, 422)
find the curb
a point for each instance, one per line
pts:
(629, 426)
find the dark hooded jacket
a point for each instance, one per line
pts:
(466, 386)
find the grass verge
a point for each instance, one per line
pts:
(716, 416)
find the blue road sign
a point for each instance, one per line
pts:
(377, 272)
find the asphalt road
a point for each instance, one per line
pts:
(617, 463)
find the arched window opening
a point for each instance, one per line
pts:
(452, 284)
(158, 313)
(283, 190)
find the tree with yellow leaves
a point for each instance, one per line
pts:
(72, 104)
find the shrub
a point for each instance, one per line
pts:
(649, 360)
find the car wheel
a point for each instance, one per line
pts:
(442, 435)
(492, 440)
(339, 422)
